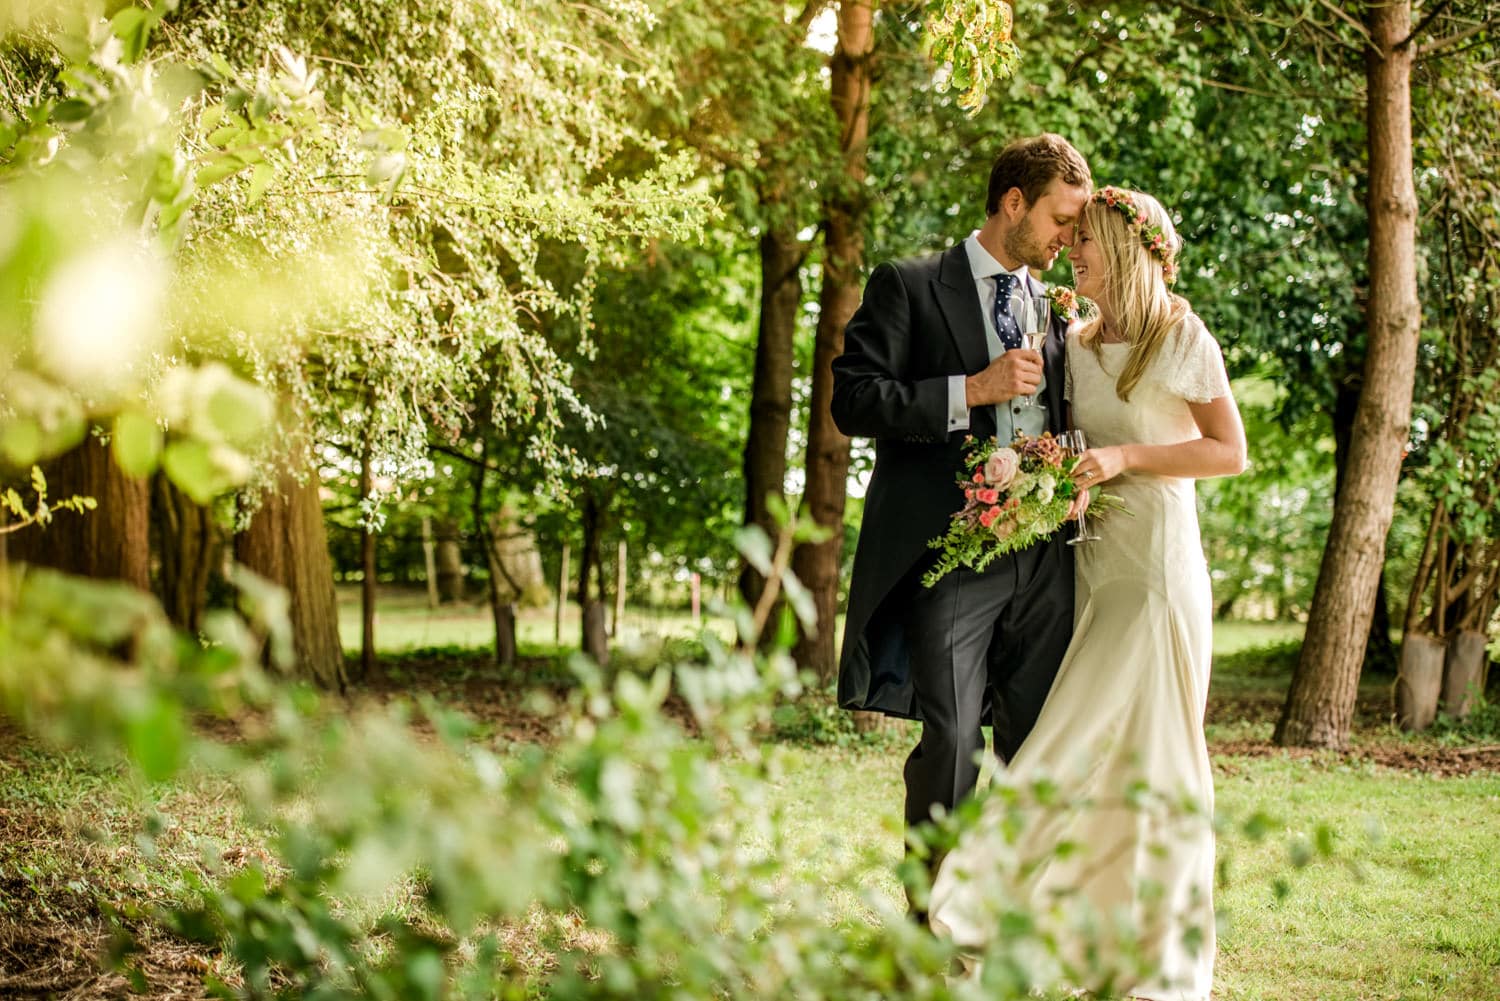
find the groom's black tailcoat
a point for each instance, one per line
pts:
(920, 323)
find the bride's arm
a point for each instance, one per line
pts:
(1220, 452)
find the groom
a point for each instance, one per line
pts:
(929, 359)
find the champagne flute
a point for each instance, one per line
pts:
(1032, 315)
(1075, 443)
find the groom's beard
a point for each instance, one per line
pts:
(1022, 244)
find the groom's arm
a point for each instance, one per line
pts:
(873, 393)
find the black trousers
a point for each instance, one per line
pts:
(995, 637)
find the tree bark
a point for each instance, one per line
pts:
(111, 542)
(1319, 709)
(818, 565)
(503, 593)
(1380, 649)
(429, 561)
(287, 543)
(771, 389)
(188, 545)
(450, 562)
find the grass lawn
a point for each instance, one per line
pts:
(404, 622)
(1411, 917)
(1406, 911)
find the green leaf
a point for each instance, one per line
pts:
(72, 111)
(238, 411)
(755, 545)
(132, 25)
(801, 600)
(137, 443)
(191, 467)
(20, 441)
(217, 170)
(260, 179)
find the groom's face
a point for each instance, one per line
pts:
(1046, 226)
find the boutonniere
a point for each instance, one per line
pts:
(1068, 305)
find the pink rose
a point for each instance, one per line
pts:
(978, 476)
(1000, 468)
(988, 516)
(988, 495)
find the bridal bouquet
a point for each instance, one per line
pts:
(1013, 495)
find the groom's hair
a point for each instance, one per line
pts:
(1033, 163)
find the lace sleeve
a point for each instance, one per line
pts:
(1194, 368)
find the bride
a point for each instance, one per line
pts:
(1147, 385)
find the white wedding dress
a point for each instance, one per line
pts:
(1104, 861)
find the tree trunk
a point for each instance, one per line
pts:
(1320, 706)
(287, 543)
(594, 640)
(771, 389)
(502, 592)
(1464, 671)
(429, 561)
(818, 565)
(111, 542)
(450, 562)
(188, 545)
(1380, 649)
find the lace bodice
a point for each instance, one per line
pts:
(1158, 540)
(1188, 369)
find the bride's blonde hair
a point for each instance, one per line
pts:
(1138, 257)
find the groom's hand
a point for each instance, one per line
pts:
(1014, 373)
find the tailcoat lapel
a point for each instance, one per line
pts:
(959, 302)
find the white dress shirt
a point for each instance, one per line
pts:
(1008, 419)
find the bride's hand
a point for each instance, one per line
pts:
(1099, 465)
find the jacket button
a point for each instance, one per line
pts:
(1015, 410)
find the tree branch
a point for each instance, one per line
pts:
(809, 15)
(1451, 40)
(1339, 12)
(1422, 25)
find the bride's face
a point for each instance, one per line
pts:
(1088, 264)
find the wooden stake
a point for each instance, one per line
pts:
(619, 590)
(562, 597)
(429, 557)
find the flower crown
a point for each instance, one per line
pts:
(1151, 235)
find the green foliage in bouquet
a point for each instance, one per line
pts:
(1014, 496)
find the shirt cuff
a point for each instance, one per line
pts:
(958, 405)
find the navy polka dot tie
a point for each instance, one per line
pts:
(1005, 324)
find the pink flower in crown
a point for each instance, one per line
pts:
(1000, 468)
(988, 516)
(987, 495)
(1140, 219)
